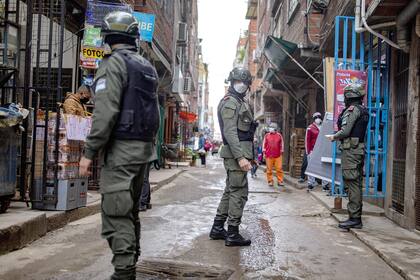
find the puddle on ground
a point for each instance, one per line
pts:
(157, 269)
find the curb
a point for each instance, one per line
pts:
(383, 256)
(344, 211)
(156, 186)
(18, 236)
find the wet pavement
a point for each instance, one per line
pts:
(293, 237)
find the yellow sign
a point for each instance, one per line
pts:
(92, 53)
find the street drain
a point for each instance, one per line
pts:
(158, 269)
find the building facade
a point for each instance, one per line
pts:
(296, 42)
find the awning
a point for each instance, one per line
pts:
(286, 57)
(188, 116)
(160, 55)
(269, 75)
(275, 50)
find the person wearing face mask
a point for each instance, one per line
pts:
(352, 124)
(311, 136)
(237, 125)
(273, 148)
(75, 102)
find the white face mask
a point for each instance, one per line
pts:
(271, 130)
(318, 121)
(240, 87)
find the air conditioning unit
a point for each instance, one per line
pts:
(187, 84)
(256, 56)
(183, 33)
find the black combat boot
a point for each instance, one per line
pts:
(351, 223)
(235, 239)
(218, 231)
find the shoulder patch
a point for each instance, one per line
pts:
(100, 85)
(228, 112)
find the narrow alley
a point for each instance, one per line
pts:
(294, 237)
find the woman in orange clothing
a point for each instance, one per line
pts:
(273, 147)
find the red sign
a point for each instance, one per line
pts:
(342, 79)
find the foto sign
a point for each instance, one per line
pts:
(146, 25)
(89, 52)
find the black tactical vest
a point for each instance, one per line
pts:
(139, 113)
(360, 127)
(242, 135)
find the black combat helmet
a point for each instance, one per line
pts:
(120, 23)
(240, 74)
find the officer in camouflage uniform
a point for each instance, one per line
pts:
(352, 125)
(125, 123)
(238, 128)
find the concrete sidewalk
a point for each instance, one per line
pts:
(398, 247)
(21, 225)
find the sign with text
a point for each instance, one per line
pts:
(342, 79)
(146, 25)
(95, 53)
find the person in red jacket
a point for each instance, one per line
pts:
(273, 147)
(310, 139)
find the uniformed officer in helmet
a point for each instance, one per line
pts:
(352, 124)
(125, 123)
(237, 125)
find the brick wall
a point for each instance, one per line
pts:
(164, 24)
(342, 7)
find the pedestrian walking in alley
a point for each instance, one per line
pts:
(255, 162)
(311, 136)
(145, 191)
(124, 127)
(352, 124)
(237, 126)
(273, 147)
(201, 149)
(75, 102)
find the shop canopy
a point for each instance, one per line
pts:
(288, 60)
(188, 116)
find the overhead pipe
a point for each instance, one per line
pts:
(403, 34)
(402, 20)
(368, 28)
(360, 28)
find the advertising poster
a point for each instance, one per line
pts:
(342, 79)
(146, 25)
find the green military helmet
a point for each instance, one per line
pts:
(240, 74)
(354, 91)
(120, 23)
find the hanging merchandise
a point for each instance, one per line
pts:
(97, 10)
(92, 36)
(92, 49)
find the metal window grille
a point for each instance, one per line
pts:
(417, 202)
(400, 131)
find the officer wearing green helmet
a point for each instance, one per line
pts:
(237, 126)
(352, 124)
(124, 126)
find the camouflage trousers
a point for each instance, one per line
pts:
(235, 196)
(121, 189)
(352, 169)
